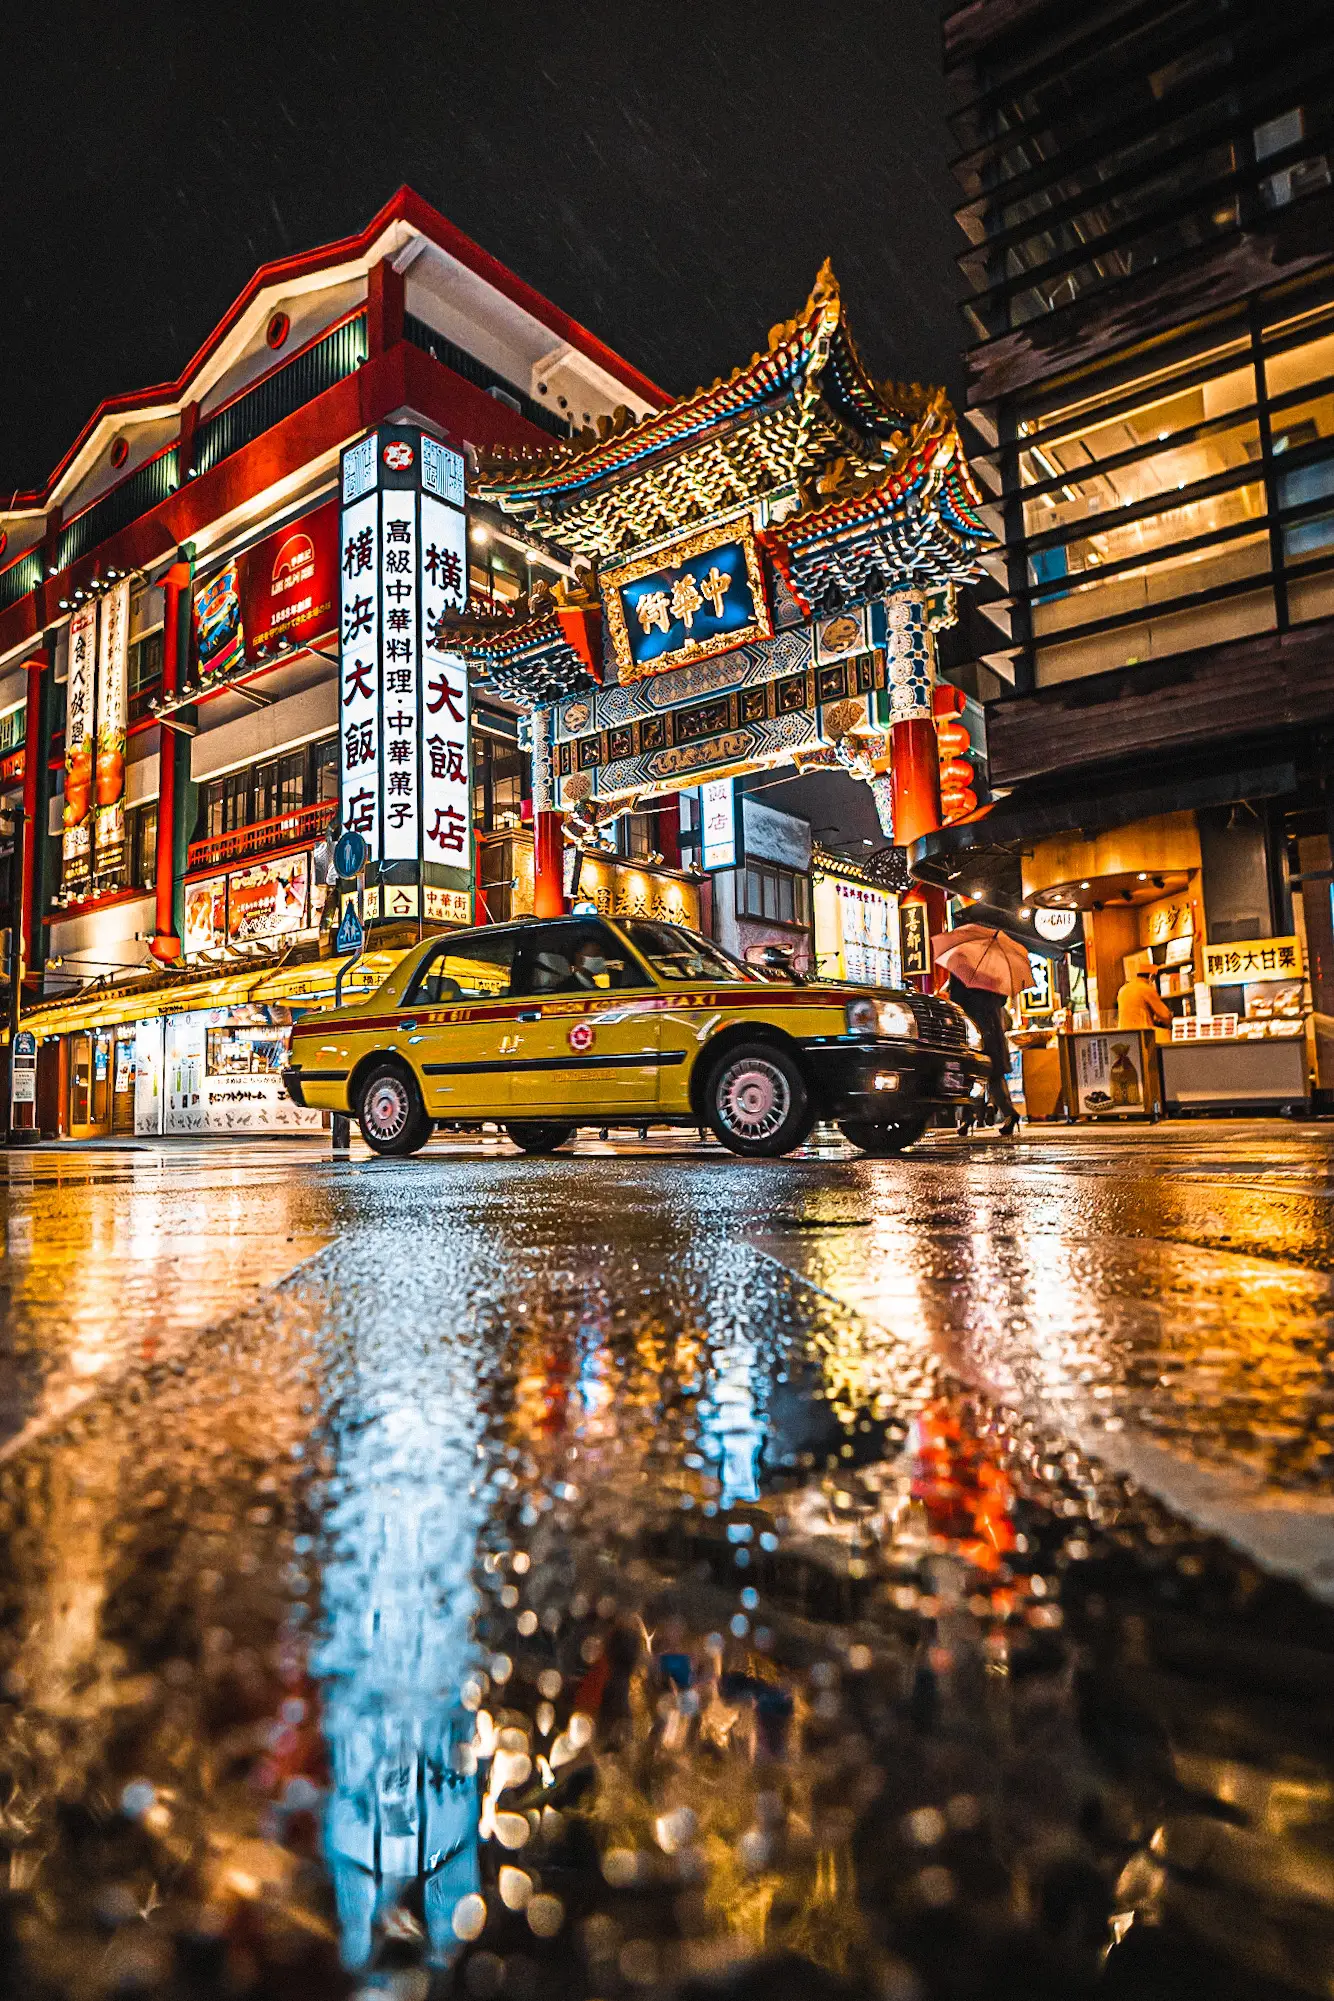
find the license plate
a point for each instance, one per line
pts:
(953, 1078)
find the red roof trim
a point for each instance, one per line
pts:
(405, 206)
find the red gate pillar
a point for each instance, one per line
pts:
(166, 946)
(910, 673)
(548, 826)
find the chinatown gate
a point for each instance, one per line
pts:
(754, 577)
(758, 574)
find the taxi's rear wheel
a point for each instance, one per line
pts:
(882, 1140)
(538, 1135)
(756, 1101)
(390, 1111)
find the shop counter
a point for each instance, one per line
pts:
(1235, 1071)
(1044, 1085)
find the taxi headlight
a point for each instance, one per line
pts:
(971, 1030)
(896, 1018)
(863, 1017)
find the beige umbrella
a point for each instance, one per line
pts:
(982, 956)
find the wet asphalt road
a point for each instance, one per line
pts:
(642, 1573)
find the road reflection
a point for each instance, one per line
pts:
(547, 1594)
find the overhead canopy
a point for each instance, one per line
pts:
(310, 984)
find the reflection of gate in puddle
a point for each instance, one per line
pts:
(401, 1825)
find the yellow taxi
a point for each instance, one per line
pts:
(544, 1026)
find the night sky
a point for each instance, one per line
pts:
(670, 173)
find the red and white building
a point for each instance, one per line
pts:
(169, 697)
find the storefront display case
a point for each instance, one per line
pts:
(1111, 1073)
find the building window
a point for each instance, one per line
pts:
(141, 846)
(637, 831)
(145, 662)
(498, 789)
(778, 895)
(269, 791)
(324, 771)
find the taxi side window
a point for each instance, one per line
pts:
(471, 966)
(574, 958)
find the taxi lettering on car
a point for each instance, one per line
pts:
(546, 1026)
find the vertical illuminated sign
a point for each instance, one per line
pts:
(405, 753)
(359, 647)
(402, 678)
(109, 770)
(76, 820)
(718, 824)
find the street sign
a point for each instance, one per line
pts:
(23, 1070)
(349, 854)
(351, 932)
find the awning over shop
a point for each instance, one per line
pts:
(980, 846)
(309, 984)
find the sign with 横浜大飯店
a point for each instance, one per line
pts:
(1247, 959)
(404, 755)
(702, 594)
(113, 654)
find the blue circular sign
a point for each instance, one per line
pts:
(349, 854)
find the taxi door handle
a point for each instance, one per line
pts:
(405, 1027)
(530, 1014)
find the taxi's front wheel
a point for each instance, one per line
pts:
(538, 1135)
(390, 1111)
(756, 1101)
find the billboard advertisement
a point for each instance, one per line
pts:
(269, 899)
(284, 588)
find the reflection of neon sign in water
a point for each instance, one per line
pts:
(398, 1600)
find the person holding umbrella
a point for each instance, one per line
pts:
(985, 965)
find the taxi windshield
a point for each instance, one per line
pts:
(677, 954)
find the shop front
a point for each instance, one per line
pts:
(169, 1057)
(1192, 908)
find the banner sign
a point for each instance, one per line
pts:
(205, 915)
(76, 819)
(112, 706)
(704, 594)
(405, 763)
(284, 588)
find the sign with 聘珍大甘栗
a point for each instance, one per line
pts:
(1246, 959)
